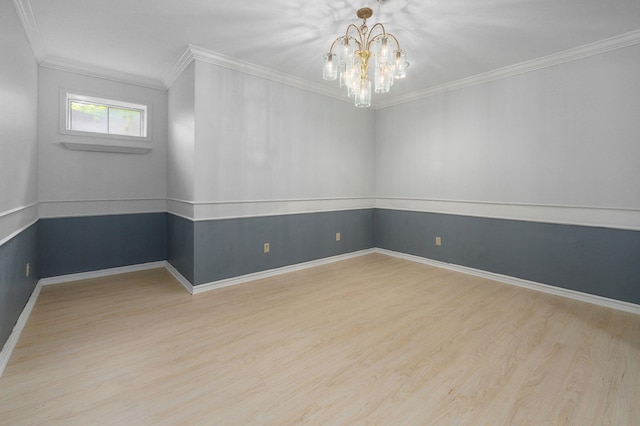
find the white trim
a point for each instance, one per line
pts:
(204, 211)
(504, 203)
(103, 207)
(193, 52)
(81, 140)
(181, 208)
(200, 211)
(592, 216)
(182, 216)
(607, 217)
(200, 288)
(100, 200)
(531, 285)
(16, 232)
(10, 344)
(178, 276)
(602, 46)
(60, 279)
(31, 28)
(276, 200)
(16, 220)
(283, 213)
(281, 200)
(221, 60)
(99, 72)
(214, 58)
(118, 149)
(17, 209)
(30, 24)
(177, 200)
(178, 68)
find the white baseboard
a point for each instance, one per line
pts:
(10, 344)
(101, 273)
(202, 287)
(178, 276)
(278, 271)
(545, 288)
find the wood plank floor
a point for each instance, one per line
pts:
(373, 340)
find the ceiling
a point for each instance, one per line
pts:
(445, 40)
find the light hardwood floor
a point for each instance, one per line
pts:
(374, 340)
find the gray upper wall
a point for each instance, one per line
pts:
(77, 183)
(18, 126)
(244, 146)
(552, 145)
(555, 145)
(559, 144)
(18, 170)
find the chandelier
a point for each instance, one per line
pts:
(351, 62)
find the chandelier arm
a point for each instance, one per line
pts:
(360, 43)
(371, 37)
(352, 26)
(375, 37)
(384, 32)
(334, 43)
(395, 39)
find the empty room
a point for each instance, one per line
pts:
(276, 212)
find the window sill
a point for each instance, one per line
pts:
(117, 148)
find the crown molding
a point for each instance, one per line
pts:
(99, 72)
(29, 22)
(602, 46)
(31, 28)
(198, 53)
(214, 58)
(178, 68)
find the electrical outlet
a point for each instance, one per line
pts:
(27, 269)
(438, 241)
(266, 247)
(337, 236)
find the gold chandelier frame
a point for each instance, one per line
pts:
(359, 44)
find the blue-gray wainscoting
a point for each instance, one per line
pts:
(232, 247)
(180, 245)
(15, 286)
(598, 261)
(81, 244)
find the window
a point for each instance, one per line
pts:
(105, 116)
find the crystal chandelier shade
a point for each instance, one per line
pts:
(353, 51)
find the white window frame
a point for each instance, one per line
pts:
(106, 142)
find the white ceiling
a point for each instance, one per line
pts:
(445, 40)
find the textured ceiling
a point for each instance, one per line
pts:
(445, 40)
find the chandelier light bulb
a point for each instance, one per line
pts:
(363, 96)
(330, 69)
